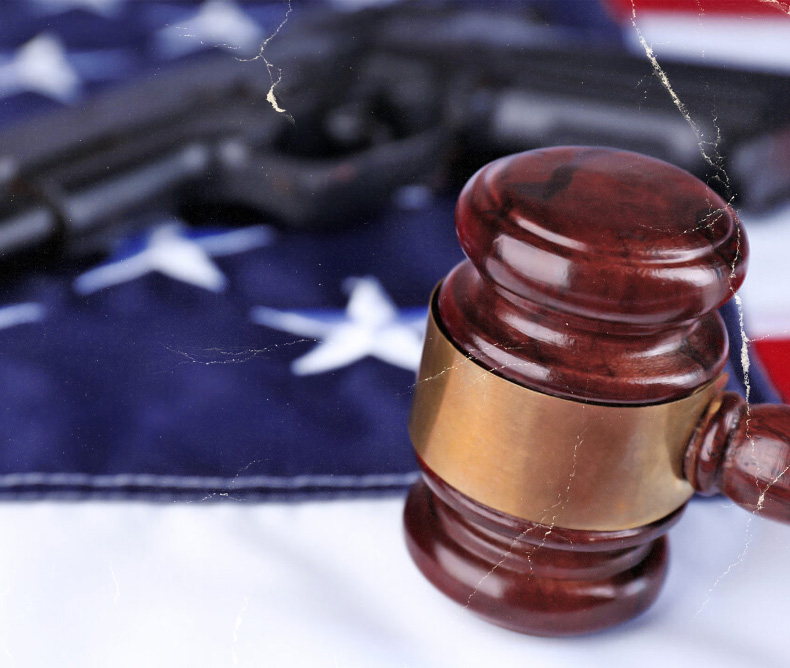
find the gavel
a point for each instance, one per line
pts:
(570, 399)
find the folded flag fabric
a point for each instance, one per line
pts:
(242, 363)
(238, 362)
(212, 362)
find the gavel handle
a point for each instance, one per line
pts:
(743, 452)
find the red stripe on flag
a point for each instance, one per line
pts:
(775, 356)
(624, 8)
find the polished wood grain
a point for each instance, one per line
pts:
(592, 274)
(743, 452)
(527, 577)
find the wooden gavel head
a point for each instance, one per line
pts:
(570, 399)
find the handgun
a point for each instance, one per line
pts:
(365, 102)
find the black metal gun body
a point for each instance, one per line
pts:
(378, 98)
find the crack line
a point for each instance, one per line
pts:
(270, 68)
(720, 174)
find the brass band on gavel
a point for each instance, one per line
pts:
(553, 461)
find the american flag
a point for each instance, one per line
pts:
(214, 360)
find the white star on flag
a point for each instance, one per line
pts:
(371, 326)
(216, 23)
(20, 314)
(40, 66)
(101, 7)
(169, 252)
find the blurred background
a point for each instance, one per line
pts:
(220, 224)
